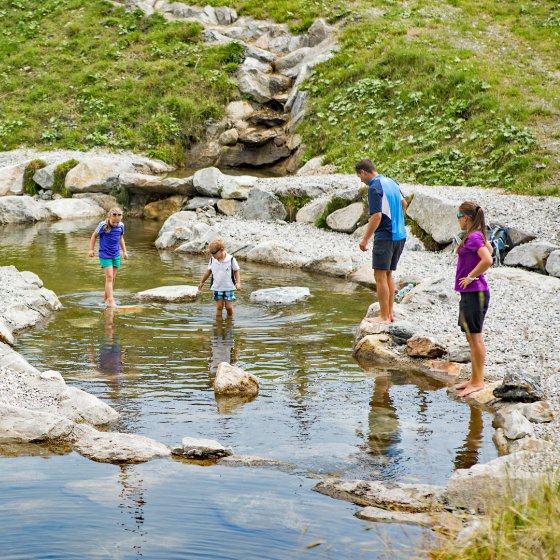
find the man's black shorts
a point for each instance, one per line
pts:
(386, 254)
(472, 310)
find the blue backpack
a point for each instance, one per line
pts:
(498, 236)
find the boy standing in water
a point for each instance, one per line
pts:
(225, 277)
(111, 242)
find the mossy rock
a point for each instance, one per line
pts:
(30, 187)
(293, 203)
(59, 176)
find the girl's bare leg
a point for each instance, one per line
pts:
(478, 357)
(109, 280)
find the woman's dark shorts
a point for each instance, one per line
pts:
(472, 310)
(386, 254)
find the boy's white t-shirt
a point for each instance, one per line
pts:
(221, 273)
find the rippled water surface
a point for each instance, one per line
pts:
(317, 410)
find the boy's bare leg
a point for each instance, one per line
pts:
(229, 308)
(219, 307)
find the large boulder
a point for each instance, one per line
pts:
(526, 278)
(178, 227)
(231, 380)
(420, 346)
(513, 424)
(74, 208)
(312, 211)
(333, 265)
(263, 205)
(162, 209)
(276, 253)
(140, 182)
(229, 207)
(210, 181)
(346, 220)
(22, 210)
(96, 174)
(11, 179)
(436, 215)
(239, 187)
(531, 255)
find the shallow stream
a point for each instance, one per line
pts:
(317, 410)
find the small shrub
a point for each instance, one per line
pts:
(29, 185)
(293, 203)
(60, 173)
(122, 196)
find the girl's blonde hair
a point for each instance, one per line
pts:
(107, 226)
(477, 222)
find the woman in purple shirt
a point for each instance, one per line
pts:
(474, 259)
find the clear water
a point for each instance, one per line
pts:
(317, 410)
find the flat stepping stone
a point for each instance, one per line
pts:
(280, 296)
(169, 294)
(199, 448)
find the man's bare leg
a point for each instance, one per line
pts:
(391, 301)
(382, 284)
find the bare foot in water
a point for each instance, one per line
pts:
(377, 320)
(111, 303)
(470, 389)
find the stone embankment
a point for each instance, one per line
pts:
(260, 131)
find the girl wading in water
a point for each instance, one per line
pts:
(474, 259)
(111, 241)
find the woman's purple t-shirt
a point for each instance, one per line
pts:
(467, 261)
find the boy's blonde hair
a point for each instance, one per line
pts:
(215, 245)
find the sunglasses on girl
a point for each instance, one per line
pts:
(115, 214)
(459, 216)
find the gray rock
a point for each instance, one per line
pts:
(239, 110)
(263, 205)
(553, 264)
(513, 424)
(229, 137)
(538, 412)
(209, 181)
(392, 495)
(525, 278)
(333, 265)
(21, 210)
(318, 32)
(74, 208)
(280, 296)
(229, 207)
(531, 255)
(139, 183)
(459, 352)
(420, 346)
(312, 211)
(198, 448)
(178, 227)
(401, 331)
(346, 220)
(519, 387)
(11, 179)
(276, 253)
(238, 187)
(200, 202)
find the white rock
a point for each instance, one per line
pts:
(553, 264)
(274, 252)
(79, 406)
(334, 265)
(283, 296)
(11, 179)
(231, 380)
(21, 210)
(113, 447)
(169, 294)
(346, 220)
(530, 255)
(263, 205)
(74, 208)
(513, 423)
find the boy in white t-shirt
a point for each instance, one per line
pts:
(225, 277)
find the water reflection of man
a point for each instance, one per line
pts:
(109, 359)
(467, 455)
(222, 344)
(384, 430)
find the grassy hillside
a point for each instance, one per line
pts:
(438, 92)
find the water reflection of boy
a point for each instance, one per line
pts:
(384, 430)
(110, 353)
(467, 455)
(222, 344)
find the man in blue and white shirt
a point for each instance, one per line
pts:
(386, 223)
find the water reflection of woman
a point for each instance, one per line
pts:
(110, 354)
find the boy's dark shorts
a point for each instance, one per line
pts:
(472, 311)
(386, 254)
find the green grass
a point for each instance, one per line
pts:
(524, 531)
(427, 92)
(84, 73)
(30, 187)
(59, 176)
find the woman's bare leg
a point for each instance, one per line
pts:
(478, 357)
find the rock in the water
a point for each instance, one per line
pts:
(420, 346)
(519, 387)
(169, 294)
(231, 380)
(375, 348)
(22, 210)
(199, 448)
(391, 495)
(74, 208)
(114, 447)
(280, 296)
